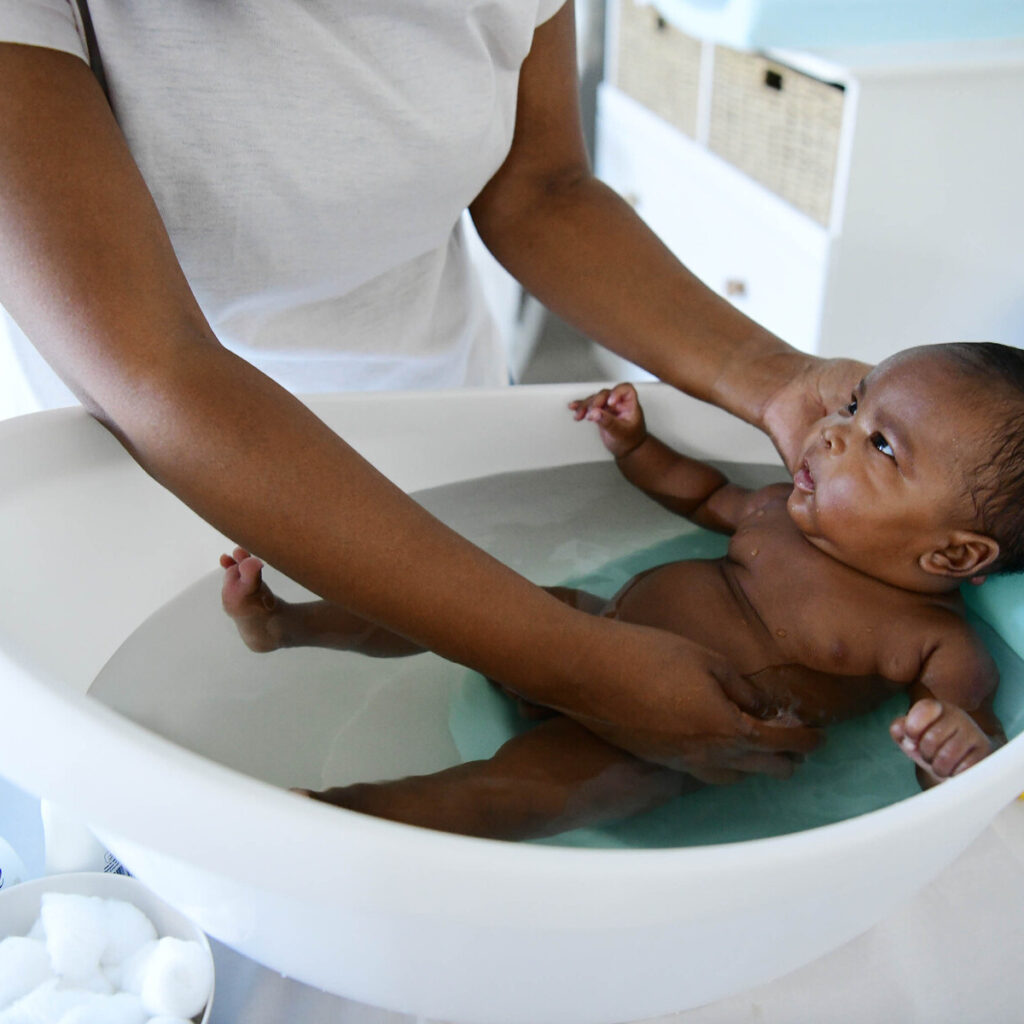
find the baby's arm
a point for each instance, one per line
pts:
(683, 485)
(951, 724)
(266, 622)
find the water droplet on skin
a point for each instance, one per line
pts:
(780, 632)
(753, 554)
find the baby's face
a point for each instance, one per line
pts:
(884, 478)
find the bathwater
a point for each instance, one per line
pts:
(323, 718)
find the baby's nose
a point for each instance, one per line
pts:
(832, 438)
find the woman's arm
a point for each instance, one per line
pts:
(586, 254)
(87, 270)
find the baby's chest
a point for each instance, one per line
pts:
(814, 611)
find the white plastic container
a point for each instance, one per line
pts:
(20, 906)
(413, 920)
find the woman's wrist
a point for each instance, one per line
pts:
(755, 375)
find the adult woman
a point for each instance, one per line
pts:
(91, 274)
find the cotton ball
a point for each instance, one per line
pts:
(46, 1004)
(97, 982)
(128, 928)
(179, 977)
(37, 931)
(122, 1008)
(24, 964)
(76, 933)
(130, 975)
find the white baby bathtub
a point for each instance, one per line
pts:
(413, 920)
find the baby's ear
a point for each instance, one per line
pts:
(965, 554)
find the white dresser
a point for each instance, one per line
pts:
(853, 201)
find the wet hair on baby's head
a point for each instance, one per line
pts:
(998, 489)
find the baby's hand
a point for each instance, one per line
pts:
(619, 418)
(940, 738)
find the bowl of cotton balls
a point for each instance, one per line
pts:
(97, 948)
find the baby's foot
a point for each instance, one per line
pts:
(250, 602)
(940, 738)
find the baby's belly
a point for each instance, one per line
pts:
(696, 599)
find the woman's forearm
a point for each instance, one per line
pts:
(585, 253)
(88, 271)
(568, 250)
(251, 460)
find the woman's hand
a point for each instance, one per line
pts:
(817, 389)
(672, 702)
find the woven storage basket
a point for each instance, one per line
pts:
(777, 125)
(658, 65)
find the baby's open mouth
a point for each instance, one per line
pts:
(802, 478)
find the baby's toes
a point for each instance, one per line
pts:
(232, 590)
(250, 571)
(241, 586)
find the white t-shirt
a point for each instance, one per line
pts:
(311, 161)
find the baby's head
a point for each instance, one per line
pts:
(919, 480)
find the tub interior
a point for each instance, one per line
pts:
(325, 718)
(312, 718)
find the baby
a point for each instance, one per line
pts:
(836, 591)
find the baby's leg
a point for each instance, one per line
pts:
(556, 777)
(941, 739)
(266, 622)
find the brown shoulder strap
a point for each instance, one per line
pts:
(95, 60)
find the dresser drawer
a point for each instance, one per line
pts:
(779, 126)
(657, 65)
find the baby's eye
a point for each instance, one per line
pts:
(852, 407)
(879, 441)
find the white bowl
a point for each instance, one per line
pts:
(20, 905)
